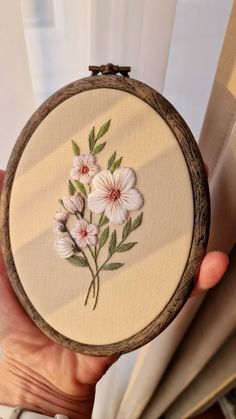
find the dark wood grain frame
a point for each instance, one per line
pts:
(200, 198)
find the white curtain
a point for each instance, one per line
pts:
(16, 98)
(171, 45)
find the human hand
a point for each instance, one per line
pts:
(42, 375)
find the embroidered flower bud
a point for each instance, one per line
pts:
(73, 203)
(64, 246)
(60, 221)
(61, 216)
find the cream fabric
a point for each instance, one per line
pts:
(216, 379)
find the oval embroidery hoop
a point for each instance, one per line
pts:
(126, 95)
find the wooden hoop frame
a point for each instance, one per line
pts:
(200, 198)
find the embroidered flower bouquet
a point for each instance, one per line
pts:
(109, 193)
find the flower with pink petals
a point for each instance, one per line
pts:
(115, 194)
(85, 234)
(84, 168)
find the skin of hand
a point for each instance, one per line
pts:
(42, 375)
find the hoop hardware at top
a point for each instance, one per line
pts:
(109, 69)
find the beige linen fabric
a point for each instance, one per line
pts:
(149, 147)
(218, 146)
(216, 379)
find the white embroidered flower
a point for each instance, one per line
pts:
(115, 194)
(64, 246)
(60, 221)
(73, 203)
(85, 234)
(84, 168)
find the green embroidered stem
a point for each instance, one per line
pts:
(100, 220)
(83, 253)
(98, 287)
(92, 284)
(78, 216)
(98, 279)
(92, 254)
(94, 258)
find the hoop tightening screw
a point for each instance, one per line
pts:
(109, 69)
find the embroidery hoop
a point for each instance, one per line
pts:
(201, 201)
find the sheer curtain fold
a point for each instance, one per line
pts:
(16, 99)
(217, 378)
(213, 325)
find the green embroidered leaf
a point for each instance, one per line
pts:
(111, 160)
(116, 165)
(103, 129)
(75, 148)
(81, 187)
(112, 243)
(103, 220)
(126, 246)
(91, 139)
(103, 237)
(71, 188)
(137, 222)
(99, 148)
(126, 229)
(77, 260)
(112, 266)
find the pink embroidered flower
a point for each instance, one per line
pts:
(85, 234)
(115, 194)
(84, 168)
(73, 203)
